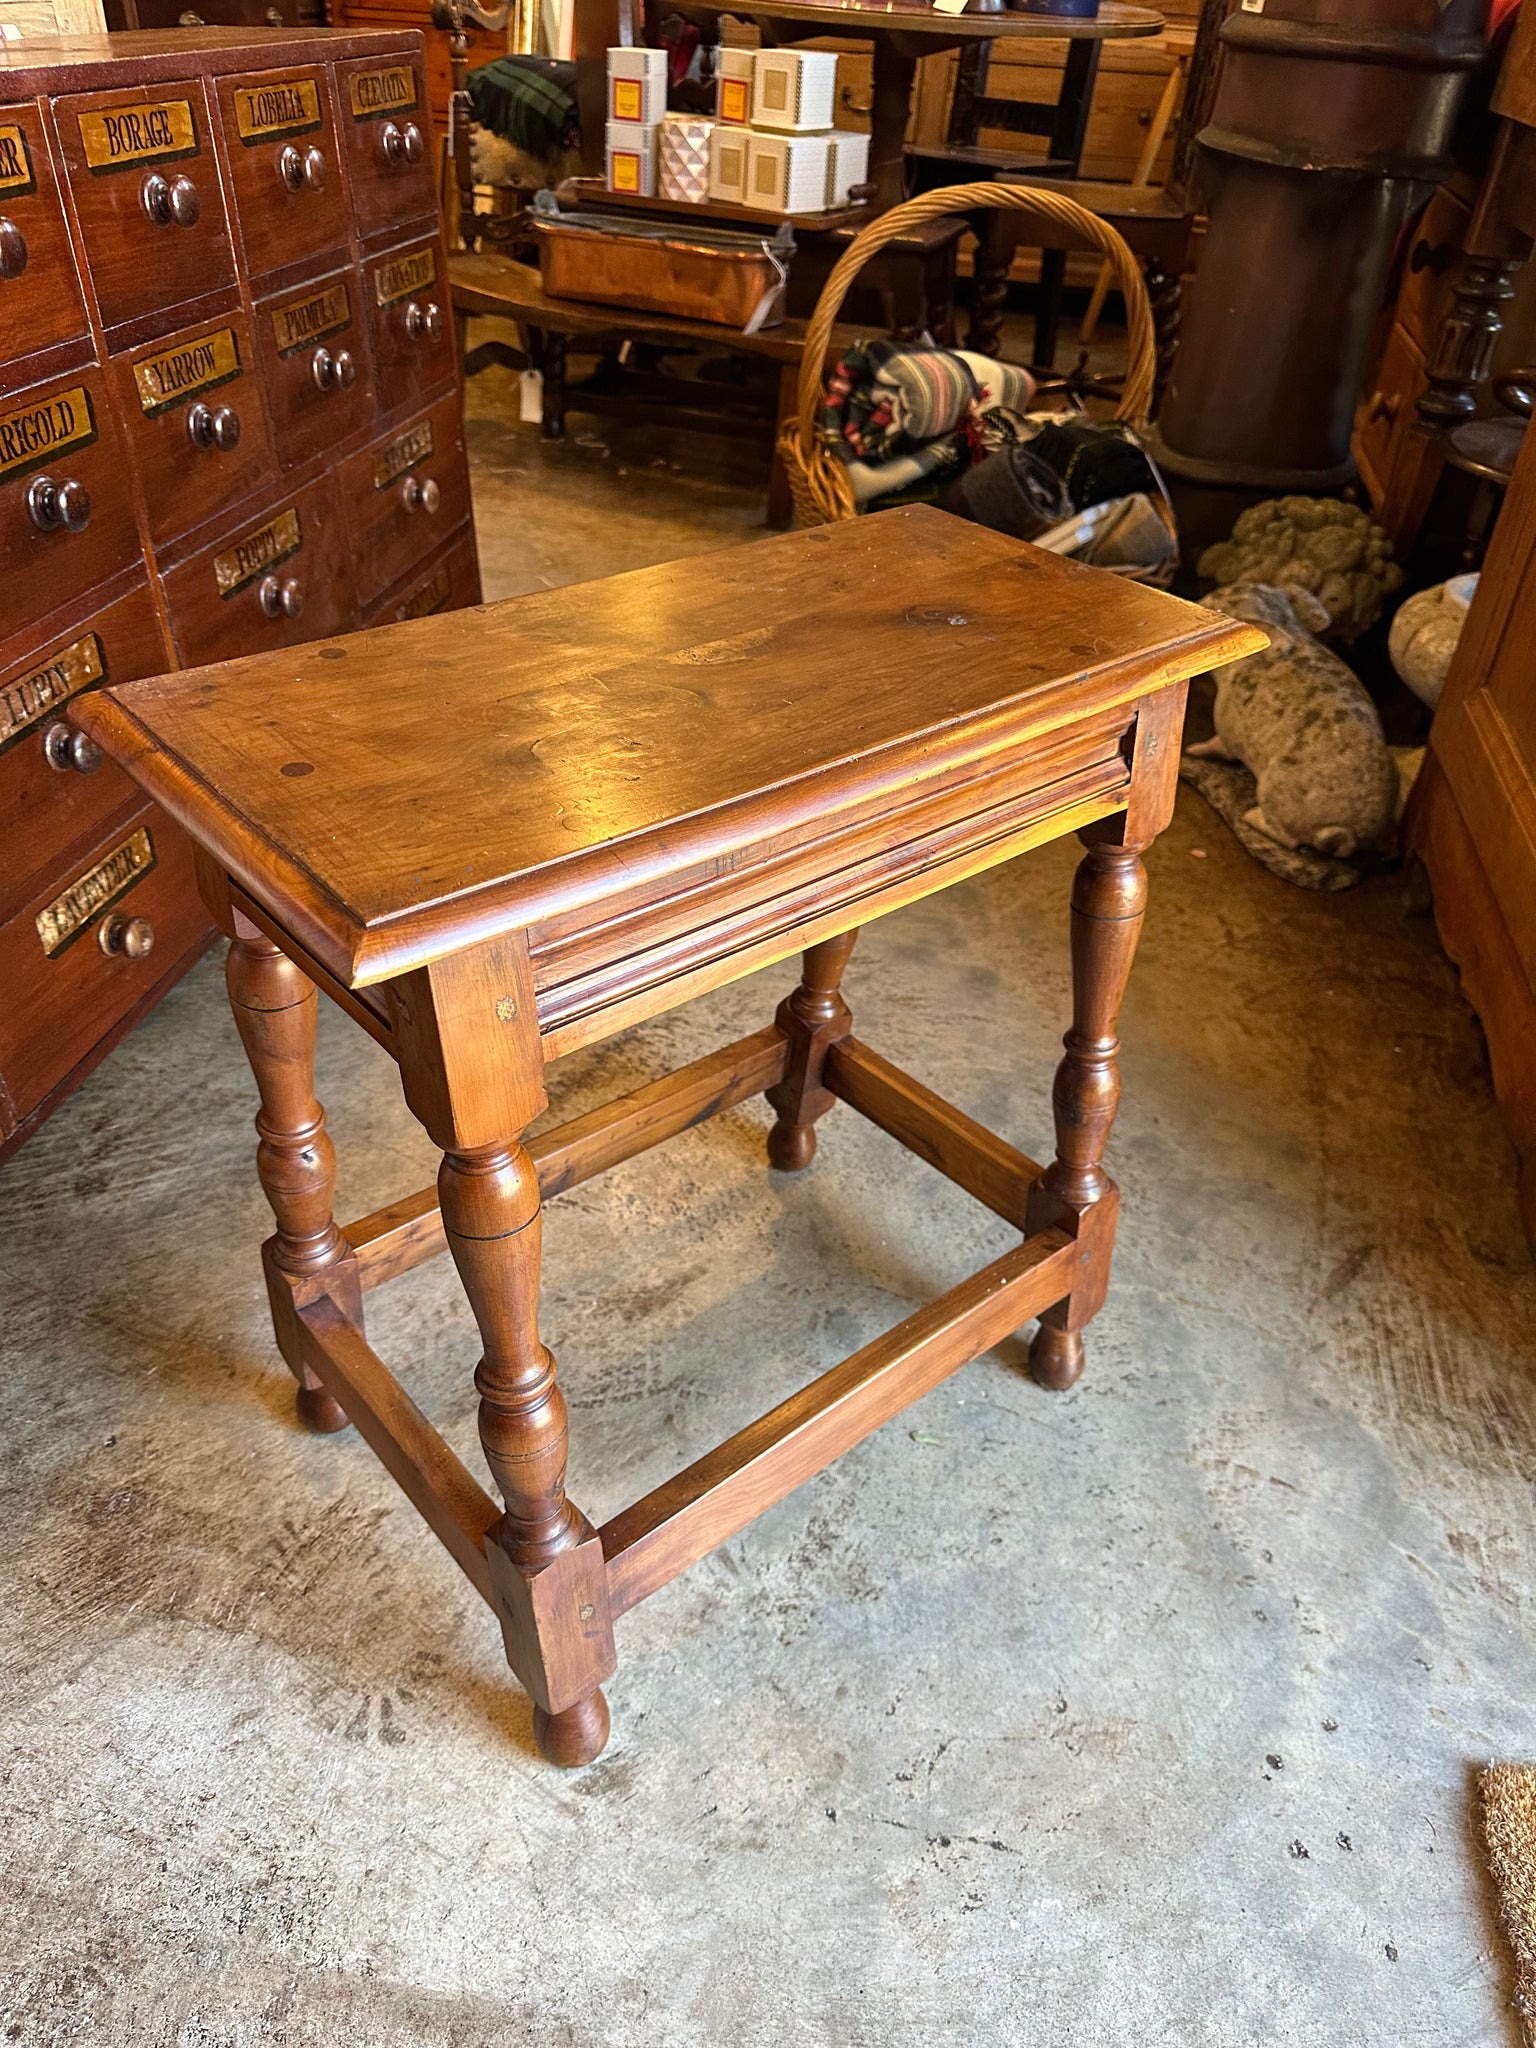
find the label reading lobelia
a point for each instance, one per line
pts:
(264, 112)
(377, 93)
(86, 897)
(403, 275)
(397, 456)
(15, 165)
(37, 433)
(116, 138)
(307, 319)
(179, 373)
(26, 700)
(254, 553)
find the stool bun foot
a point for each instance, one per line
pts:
(791, 1147)
(576, 1736)
(319, 1413)
(1056, 1356)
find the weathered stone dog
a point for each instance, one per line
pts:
(1299, 719)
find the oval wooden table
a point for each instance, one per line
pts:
(496, 835)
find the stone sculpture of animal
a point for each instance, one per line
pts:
(1299, 719)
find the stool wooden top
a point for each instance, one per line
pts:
(554, 761)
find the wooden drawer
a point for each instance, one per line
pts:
(219, 598)
(285, 173)
(411, 321)
(126, 152)
(53, 436)
(178, 398)
(391, 160)
(305, 339)
(404, 495)
(449, 582)
(46, 808)
(40, 303)
(71, 993)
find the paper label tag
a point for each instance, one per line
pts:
(377, 93)
(15, 164)
(263, 112)
(39, 433)
(949, 6)
(117, 138)
(28, 699)
(530, 397)
(82, 902)
(628, 99)
(403, 275)
(735, 103)
(256, 552)
(179, 373)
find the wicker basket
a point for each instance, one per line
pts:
(818, 482)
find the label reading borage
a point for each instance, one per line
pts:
(179, 373)
(116, 138)
(89, 894)
(402, 275)
(27, 700)
(256, 552)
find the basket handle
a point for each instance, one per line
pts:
(1038, 200)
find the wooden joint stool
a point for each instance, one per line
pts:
(495, 835)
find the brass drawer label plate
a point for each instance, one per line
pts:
(427, 597)
(15, 164)
(27, 700)
(397, 456)
(39, 433)
(377, 93)
(116, 138)
(256, 552)
(177, 374)
(403, 275)
(265, 112)
(305, 320)
(83, 901)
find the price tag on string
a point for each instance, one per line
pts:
(949, 6)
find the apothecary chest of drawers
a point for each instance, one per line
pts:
(229, 419)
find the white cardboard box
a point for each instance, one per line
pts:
(728, 162)
(794, 89)
(733, 85)
(631, 157)
(637, 85)
(788, 171)
(847, 164)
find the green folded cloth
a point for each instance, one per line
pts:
(528, 101)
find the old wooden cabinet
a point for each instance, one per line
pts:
(229, 420)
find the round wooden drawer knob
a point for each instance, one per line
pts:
(280, 597)
(66, 749)
(422, 322)
(58, 507)
(336, 372)
(421, 494)
(300, 168)
(171, 202)
(13, 249)
(213, 426)
(125, 938)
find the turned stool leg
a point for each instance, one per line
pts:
(1109, 898)
(490, 1202)
(274, 1005)
(813, 1018)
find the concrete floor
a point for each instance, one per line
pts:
(1141, 1714)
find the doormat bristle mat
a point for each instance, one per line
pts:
(1509, 1827)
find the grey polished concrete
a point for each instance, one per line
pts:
(1137, 1715)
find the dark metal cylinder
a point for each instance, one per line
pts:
(1332, 120)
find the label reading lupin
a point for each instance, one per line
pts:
(307, 319)
(397, 456)
(377, 93)
(179, 373)
(264, 112)
(25, 701)
(39, 433)
(84, 900)
(431, 596)
(254, 553)
(15, 164)
(116, 138)
(403, 275)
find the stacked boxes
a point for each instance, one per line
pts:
(637, 101)
(794, 90)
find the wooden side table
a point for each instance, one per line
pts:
(495, 835)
